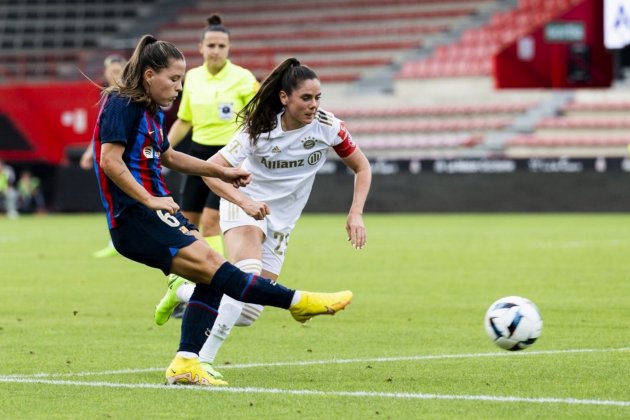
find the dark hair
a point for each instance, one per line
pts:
(260, 114)
(214, 25)
(149, 53)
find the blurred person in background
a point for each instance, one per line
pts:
(284, 141)
(145, 224)
(30, 195)
(113, 66)
(8, 194)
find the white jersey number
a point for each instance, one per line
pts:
(167, 218)
(282, 240)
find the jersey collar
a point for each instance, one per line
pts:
(221, 74)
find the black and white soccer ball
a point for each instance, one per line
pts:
(513, 323)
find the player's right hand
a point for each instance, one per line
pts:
(238, 177)
(256, 209)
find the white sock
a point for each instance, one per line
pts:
(296, 298)
(187, 354)
(229, 311)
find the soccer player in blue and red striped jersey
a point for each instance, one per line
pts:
(145, 222)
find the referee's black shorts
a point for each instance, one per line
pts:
(195, 194)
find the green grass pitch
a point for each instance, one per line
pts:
(77, 338)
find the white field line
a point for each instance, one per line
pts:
(332, 362)
(307, 392)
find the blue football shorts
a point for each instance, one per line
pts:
(151, 237)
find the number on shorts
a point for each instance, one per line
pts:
(168, 218)
(283, 241)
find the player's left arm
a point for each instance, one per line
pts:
(359, 164)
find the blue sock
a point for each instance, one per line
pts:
(200, 314)
(250, 288)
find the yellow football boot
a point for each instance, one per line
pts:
(169, 302)
(312, 304)
(183, 371)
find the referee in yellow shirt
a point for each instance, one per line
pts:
(212, 96)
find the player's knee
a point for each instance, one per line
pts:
(250, 311)
(249, 314)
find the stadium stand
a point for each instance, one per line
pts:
(471, 54)
(344, 40)
(588, 125)
(52, 39)
(424, 131)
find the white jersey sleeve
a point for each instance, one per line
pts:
(237, 150)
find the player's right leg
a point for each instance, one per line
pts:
(197, 261)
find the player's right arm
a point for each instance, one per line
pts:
(115, 168)
(256, 209)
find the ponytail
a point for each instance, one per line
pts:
(260, 114)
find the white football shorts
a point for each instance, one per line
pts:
(274, 245)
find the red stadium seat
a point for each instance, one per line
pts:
(472, 54)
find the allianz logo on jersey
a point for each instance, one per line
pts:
(149, 153)
(312, 159)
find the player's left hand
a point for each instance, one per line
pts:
(356, 230)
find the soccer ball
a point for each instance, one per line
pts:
(513, 323)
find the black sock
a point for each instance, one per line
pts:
(199, 317)
(251, 288)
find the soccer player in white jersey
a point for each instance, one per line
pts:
(284, 140)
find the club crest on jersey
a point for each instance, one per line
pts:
(309, 142)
